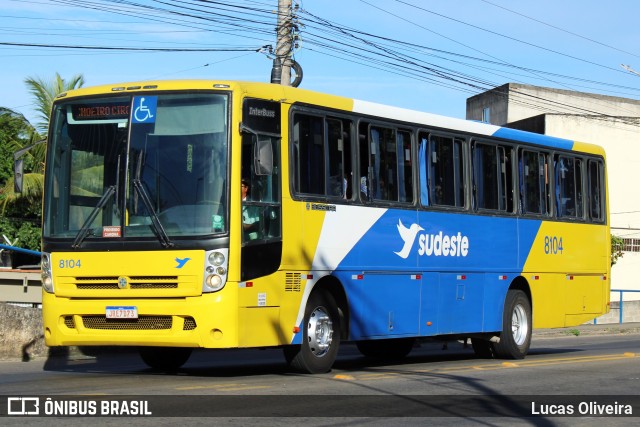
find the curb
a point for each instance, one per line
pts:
(590, 329)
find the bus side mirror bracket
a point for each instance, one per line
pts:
(18, 173)
(18, 166)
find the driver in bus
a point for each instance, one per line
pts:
(250, 215)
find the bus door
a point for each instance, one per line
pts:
(261, 201)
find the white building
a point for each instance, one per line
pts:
(608, 121)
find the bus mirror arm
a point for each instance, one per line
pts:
(18, 172)
(18, 166)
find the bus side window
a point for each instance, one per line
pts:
(446, 172)
(492, 177)
(322, 156)
(596, 188)
(423, 164)
(309, 143)
(568, 183)
(534, 182)
(405, 167)
(384, 161)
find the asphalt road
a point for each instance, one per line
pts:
(566, 367)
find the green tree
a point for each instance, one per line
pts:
(16, 133)
(44, 92)
(20, 214)
(21, 219)
(617, 244)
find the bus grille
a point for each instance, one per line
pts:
(69, 322)
(136, 282)
(189, 324)
(142, 323)
(292, 282)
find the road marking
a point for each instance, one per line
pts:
(378, 375)
(344, 377)
(223, 387)
(502, 365)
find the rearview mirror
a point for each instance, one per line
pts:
(263, 155)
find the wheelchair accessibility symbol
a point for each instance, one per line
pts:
(144, 109)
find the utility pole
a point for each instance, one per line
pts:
(287, 40)
(283, 44)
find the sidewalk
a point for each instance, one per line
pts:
(590, 329)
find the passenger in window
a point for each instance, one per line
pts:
(250, 214)
(364, 192)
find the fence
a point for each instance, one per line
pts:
(621, 303)
(21, 287)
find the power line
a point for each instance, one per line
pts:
(135, 49)
(451, 75)
(560, 29)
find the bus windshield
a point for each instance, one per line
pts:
(137, 166)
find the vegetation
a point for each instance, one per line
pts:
(616, 249)
(21, 213)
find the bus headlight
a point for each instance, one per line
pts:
(47, 277)
(47, 284)
(216, 258)
(214, 282)
(215, 270)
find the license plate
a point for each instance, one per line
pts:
(126, 312)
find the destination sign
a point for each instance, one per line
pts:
(101, 111)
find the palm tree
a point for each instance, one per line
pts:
(44, 93)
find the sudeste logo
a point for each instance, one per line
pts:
(431, 244)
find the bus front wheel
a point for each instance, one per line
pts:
(166, 359)
(320, 336)
(515, 338)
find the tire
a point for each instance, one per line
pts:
(482, 348)
(387, 349)
(165, 359)
(321, 336)
(515, 338)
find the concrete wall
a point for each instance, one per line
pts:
(630, 313)
(512, 102)
(21, 333)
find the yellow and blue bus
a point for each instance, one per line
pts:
(216, 214)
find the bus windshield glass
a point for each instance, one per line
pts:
(136, 167)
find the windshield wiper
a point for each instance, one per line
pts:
(84, 230)
(157, 225)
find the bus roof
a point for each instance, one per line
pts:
(296, 95)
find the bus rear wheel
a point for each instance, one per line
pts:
(515, 338)
(166, 359)
(321, 336)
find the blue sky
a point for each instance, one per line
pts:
(458, 47)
